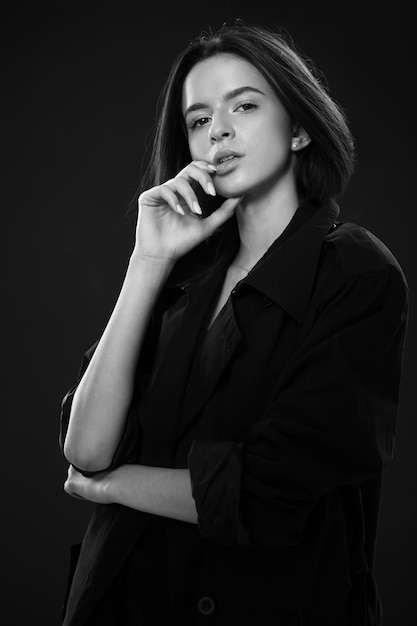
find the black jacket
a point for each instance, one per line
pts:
(286, 448)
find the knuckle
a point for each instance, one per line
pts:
(180, 179)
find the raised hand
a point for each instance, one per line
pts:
(169, 220)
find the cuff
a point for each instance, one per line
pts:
(216, 479)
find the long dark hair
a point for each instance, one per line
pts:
(323, 168)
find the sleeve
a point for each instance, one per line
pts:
(330, 422)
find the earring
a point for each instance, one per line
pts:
(294, 144)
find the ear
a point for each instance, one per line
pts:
(300, 139)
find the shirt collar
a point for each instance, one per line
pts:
(287, 270)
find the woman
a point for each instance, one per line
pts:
(234, 419)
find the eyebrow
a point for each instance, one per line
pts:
(227, 96)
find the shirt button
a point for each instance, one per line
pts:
(266, 302)
(206, 605)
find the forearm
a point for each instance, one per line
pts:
(103, 396)
(157, 490)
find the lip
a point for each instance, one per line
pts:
(224, 166)
(223, 154)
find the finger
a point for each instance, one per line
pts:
(157, 196)
(183, 189)
(200, 172)
(68, 488)
(203, 165)
(171, 198)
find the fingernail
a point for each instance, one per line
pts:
(180, 209)
(211, 167)
(197, 208)
(211, 189)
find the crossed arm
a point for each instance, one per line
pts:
(156, 490)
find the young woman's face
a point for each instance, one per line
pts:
(235, 120)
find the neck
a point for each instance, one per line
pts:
(261, 221)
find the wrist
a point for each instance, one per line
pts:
(154, 267)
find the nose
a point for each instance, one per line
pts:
(220, 129)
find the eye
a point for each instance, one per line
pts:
(199, 122)
(246, 106)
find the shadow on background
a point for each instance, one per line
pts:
(81, 83)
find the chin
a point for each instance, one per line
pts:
(231, 190)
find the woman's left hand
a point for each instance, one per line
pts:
(93, 488)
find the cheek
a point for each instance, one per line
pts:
(277, 142)
(199, 145)
(195, 147)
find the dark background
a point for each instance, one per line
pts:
(80, 84)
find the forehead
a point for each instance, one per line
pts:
(210, 79)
